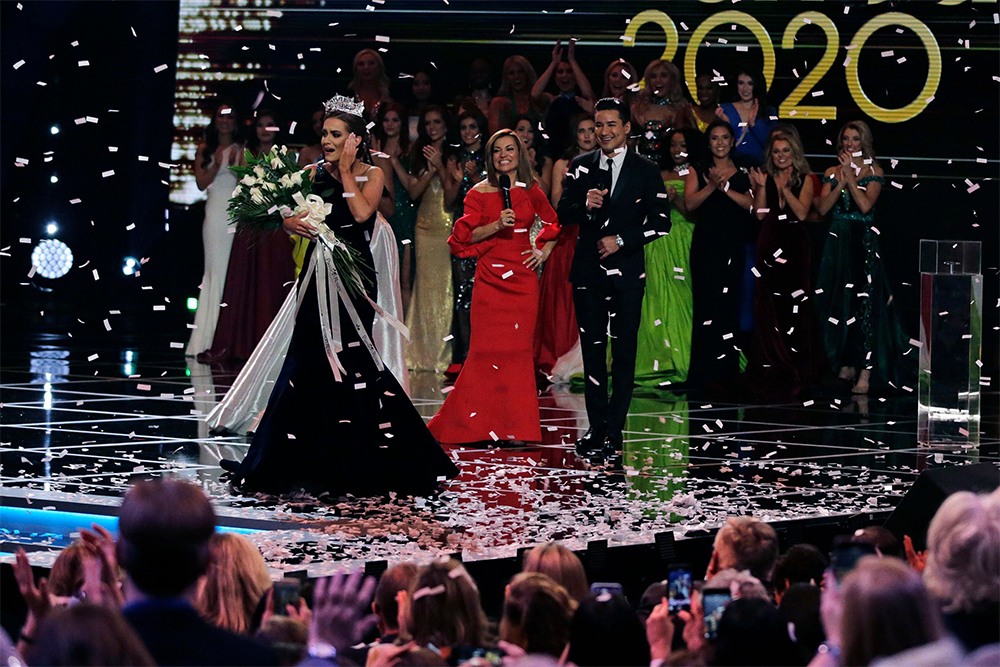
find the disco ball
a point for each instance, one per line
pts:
(53, 258)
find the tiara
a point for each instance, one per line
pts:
(342, 104)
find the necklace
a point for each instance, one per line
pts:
(683, 167)
(661, 101)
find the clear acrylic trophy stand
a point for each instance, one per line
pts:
(951, 332)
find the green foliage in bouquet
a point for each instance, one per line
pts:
(267, 186)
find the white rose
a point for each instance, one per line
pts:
(285, 181)
(248, 180)
(237, 191)
(297, 178)
(259, 170)
(256, 196)
(276, 164)
(271, 186)
(283, 150)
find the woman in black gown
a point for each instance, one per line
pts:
(720, 193)
(359, 435)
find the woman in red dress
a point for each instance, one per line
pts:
(494, 397)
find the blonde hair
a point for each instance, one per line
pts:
(800, 166)
(382, 77)
(675, 93)
(561, 565)
(963, 551)
(525, 173)
(749, 586)
(753, 544)
(887, 610)
(529, 71)
(236, 580)
(865, 132)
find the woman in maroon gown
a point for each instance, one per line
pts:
(494, 397)
(786, 354)
(261, 272)
(556, 332)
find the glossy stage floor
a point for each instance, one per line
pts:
(77, 430)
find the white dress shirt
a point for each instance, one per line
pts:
(615, 163)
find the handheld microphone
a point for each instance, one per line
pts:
(505, 190)
(602, 181)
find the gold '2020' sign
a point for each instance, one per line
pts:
(792, 106)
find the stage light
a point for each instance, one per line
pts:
(130, 266)
(52, 258)
(192, 303)
(54, 129)
(53, 179)
(51, 228)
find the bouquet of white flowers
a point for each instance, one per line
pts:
(273, 187)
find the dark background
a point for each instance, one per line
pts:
(933, 202)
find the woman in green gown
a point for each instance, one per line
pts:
(664, 344)
(861, 331)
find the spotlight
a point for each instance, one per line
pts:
(192, 303)
(52, 258)
(51, 228)
(54, 129)
(53, 179)
(131, 264)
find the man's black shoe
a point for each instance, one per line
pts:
(613, 443)
(592, 441)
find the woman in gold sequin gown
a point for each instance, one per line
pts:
(431, 305)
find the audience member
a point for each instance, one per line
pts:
(799, 608)
(962, 569)
(561, 565)
(288, 637)
(605, 631)
(164, 547)
(514, 96)
(880, 538)
(536, 614)
(385, 606)
(478, 94)
(442, 608)
(370, 83)
(234, 584)
(883, 610)
(87, 634)
(751, 632)
(802, 563)
(745, 543)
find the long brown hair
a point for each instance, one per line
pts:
(444, 607)
(561, 565)
(887, 610)
(525, 172)
(537, 613)
(234, 584)
(633, 77)
(87, 634)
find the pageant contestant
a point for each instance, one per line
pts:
(495, 397)
(357, 433)
(860, 327)
(618, 200)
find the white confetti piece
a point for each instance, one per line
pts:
(96, 276)
(93, 357)
(159, 68)
(177, 346)
(18, 64)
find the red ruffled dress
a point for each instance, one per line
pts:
(494, 397)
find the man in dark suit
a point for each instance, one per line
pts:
(618, 200)
(163, 547)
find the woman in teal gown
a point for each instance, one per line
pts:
(863, 337)
(663, 354)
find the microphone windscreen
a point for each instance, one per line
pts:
(504, 182)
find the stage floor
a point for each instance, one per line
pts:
(75, 433)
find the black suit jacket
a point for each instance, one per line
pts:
(175, 634)
(637, 210)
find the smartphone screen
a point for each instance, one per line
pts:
(679, 590)
(286, 592)
(714, 601)
(844, 558)
(606, 587)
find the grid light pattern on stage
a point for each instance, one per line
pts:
(687, 466)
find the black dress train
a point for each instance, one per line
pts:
(361, 435)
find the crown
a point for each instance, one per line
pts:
(342, 104)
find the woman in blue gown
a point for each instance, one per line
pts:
(357, 434)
